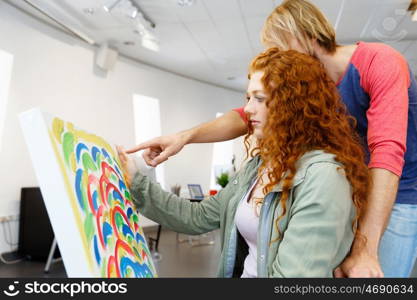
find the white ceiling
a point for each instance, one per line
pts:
(214, 40)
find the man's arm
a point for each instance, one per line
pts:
(363, 259)
(226, 127)
(387, 117)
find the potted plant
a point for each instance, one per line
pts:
(222, 179)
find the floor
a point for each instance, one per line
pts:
(178, 259)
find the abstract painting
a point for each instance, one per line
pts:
(87, 198)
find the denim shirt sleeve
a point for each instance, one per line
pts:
(319, 232)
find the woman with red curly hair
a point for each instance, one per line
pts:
(292, 211)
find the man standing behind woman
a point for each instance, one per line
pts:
(292, 210)
(380, 91)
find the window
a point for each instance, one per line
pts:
(147, 118)
(6, 61)
(222, 160)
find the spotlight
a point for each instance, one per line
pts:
(134, 13)
(109, 8)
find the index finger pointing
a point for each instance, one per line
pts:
(141, 146)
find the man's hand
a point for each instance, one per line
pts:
(363, 259)
(359, 264)
(161, 148)
(226, 127)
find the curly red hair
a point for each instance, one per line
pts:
(305, 113)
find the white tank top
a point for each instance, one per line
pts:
(247, 222)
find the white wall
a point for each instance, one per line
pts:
(6, 62)
(56, 73)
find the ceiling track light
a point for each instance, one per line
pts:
(132, 11)
(143, 25)
(109, 8)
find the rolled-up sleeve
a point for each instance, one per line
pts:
(242, 114)
(176, 213)
(387, 81)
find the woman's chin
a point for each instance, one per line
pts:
(258, 134)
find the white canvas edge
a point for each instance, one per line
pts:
(51, 182)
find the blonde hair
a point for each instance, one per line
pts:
(300, 19)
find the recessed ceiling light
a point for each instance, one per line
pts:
(183, 3)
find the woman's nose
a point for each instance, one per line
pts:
(248, 109)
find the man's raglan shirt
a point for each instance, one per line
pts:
(380, 91)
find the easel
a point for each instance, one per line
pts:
(51, 258)
(153, 245)
(154, 241)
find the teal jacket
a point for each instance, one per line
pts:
(317, 227)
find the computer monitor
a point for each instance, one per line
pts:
(196, 193)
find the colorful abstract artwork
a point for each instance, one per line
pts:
(102, 210)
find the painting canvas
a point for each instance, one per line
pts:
(88, 201)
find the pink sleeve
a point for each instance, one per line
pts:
(241, 113)
(387, 81)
